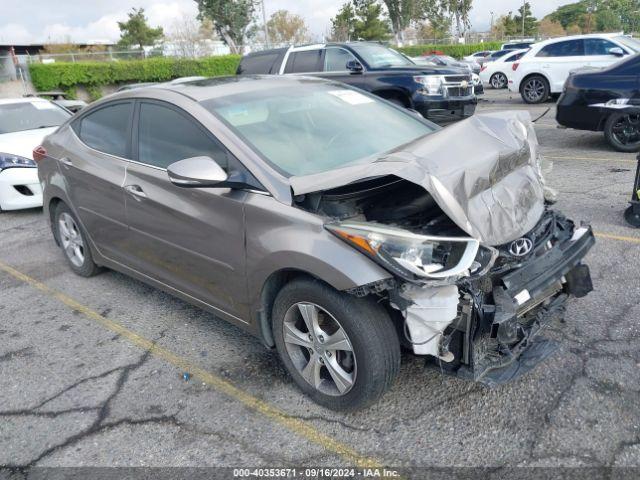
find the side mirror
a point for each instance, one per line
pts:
(354, 66)
(196, 172)
(617, 51)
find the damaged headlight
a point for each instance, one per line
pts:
(432, 84)
(407, 254)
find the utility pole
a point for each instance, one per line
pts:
(524, 4)
(491, 13)
(264, 23)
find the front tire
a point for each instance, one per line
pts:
(622, 131)
(535, 89)
(341, 350)
(74, 242)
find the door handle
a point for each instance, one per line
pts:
(135, 190)
(66, 161)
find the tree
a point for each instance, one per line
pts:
(401, 14)
(574, 29)
(231, 19)
(136, 32)
(360, 20)
(459, 11)
(507, 25)
(530, 22)
(608, 21)
(189, 38)
(551, 28)
(285, 27)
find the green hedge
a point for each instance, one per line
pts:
(457, 51)
(93, 75)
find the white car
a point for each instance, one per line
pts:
(543, 70)
(24, 122)
(496, 73)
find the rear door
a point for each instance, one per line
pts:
(191, 239)
(558, 59)
(95, 170)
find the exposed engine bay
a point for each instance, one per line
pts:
(482, 323)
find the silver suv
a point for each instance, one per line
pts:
(328, 222)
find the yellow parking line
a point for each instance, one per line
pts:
(300, 427)
(555, 157)
(617, 237)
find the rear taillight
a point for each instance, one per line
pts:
(515, 66)
(39, 153)
(483, 68)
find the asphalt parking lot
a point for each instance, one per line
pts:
(92, 371)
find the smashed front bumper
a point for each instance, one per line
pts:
(495, 337)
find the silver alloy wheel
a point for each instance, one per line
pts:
(71, 239)
(534, 89)
(319, 348)
(498, 80)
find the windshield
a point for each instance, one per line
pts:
(315, 128)
(377, 56)
(629, 42)
(16, 117)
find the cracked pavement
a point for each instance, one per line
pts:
(76, 394)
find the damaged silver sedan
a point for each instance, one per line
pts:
(331, 224)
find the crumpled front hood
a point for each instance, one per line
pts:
(484, 173)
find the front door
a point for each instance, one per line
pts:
(191, 239)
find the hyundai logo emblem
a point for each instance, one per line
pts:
(520, 247)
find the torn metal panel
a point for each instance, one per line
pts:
(491, 184)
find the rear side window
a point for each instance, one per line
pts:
(166, 136)
(570, 48)
(259, 64)
(598, 46)
(302, 62)
(513, 58)
(335, 59)
(107, 129)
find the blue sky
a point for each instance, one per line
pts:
(33, 21)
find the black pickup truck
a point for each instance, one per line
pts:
(440, 94)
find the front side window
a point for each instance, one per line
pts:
(316, 127)
(335, 59)
(166, 136)
(303, 62)
(107, 129)
(569, 48)
(598, 46)
(20, 116)
(378, 56)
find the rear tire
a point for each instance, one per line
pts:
(498, 81)
(622, 132)
(74, 242)
(368, 356)
(535, 89)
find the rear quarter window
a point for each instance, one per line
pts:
(261, 64)
(107, 129)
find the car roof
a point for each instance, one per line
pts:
(579, 37)
(217, 87)
(8, 101)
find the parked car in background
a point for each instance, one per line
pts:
(605, 100)
(175, 81)
(496, 73)
(478, 57)
(329, 223)
(60, 98)
(543, 70)
(519, 45)
(24, 122)
(440, 93)
(448, 61)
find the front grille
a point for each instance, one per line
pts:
(457, 78)
(457, 91)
